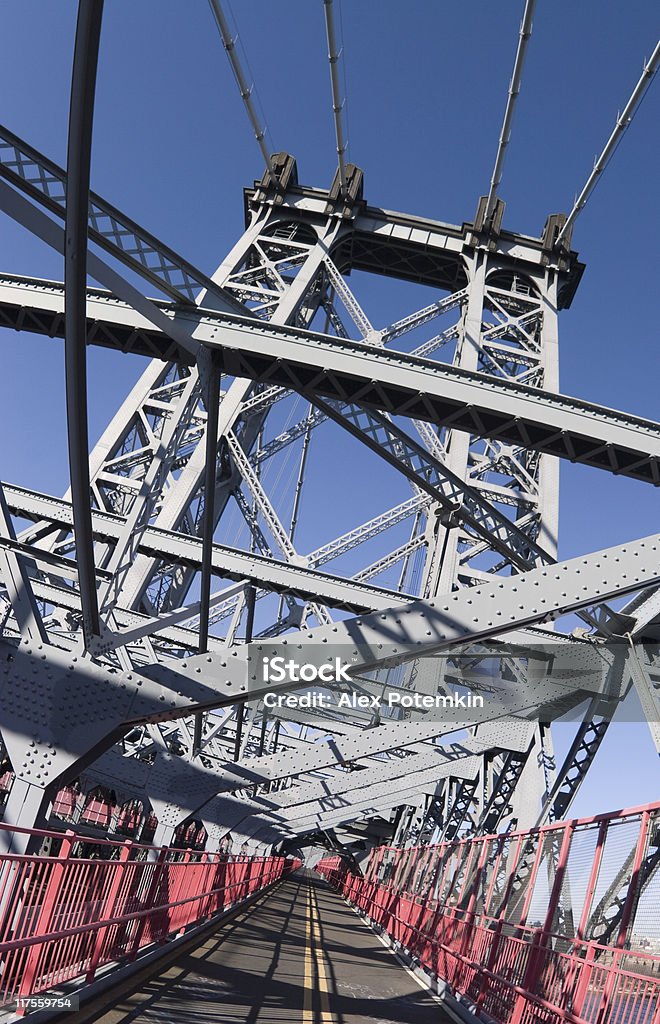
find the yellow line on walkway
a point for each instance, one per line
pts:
(314, 967)
(326, 1016)
(308, 1013)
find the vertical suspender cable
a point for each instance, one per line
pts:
(622, 122)
(514, 91)
(337, 103)
(245, 90)
(79, 148)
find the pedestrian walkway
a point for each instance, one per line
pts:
(299, 955)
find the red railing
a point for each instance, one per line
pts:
(66, 915)
(560, 924)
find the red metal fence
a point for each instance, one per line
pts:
(91, 903)
(560, 924)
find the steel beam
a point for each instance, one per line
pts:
(404, 385)
(15, 577)
(289, 264)
(230, 563)
(393, 445)
(31, 172)
(44, 736)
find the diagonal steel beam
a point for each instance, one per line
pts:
(393, 445)
(14, 575)
(31, 172)
(39, 224)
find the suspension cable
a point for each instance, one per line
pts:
(337, 103)
(514, 91)
(229, 43)
(623, 121)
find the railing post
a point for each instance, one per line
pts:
(182, 890)
(496, 939)
(530, 883)
(470, 911)
(220, 877)
(108, 907)
(633, 888)
(531, 972)
(560, 872)
(656, 1015)
(593, 880)
(242, 885)
(205, 898)
(626, 914)
(585, 973)
(254, 876)
(159, 869)
(262, 872)
(46, 914)
(199, 873)
(539, 945)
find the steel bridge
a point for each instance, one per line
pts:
(209, 731)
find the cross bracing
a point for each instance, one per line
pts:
(198, 506)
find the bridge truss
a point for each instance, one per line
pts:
(133, 607)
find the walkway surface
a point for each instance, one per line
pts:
(299, 955)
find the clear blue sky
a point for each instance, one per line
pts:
(426, 85)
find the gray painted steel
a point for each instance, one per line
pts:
(477, 459)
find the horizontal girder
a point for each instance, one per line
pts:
(48, 738)
(394, 382)
(231, 563)
(415, 248)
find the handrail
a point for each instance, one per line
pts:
(63, 917)
(461, 910)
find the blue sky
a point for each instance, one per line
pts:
(426, 85)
